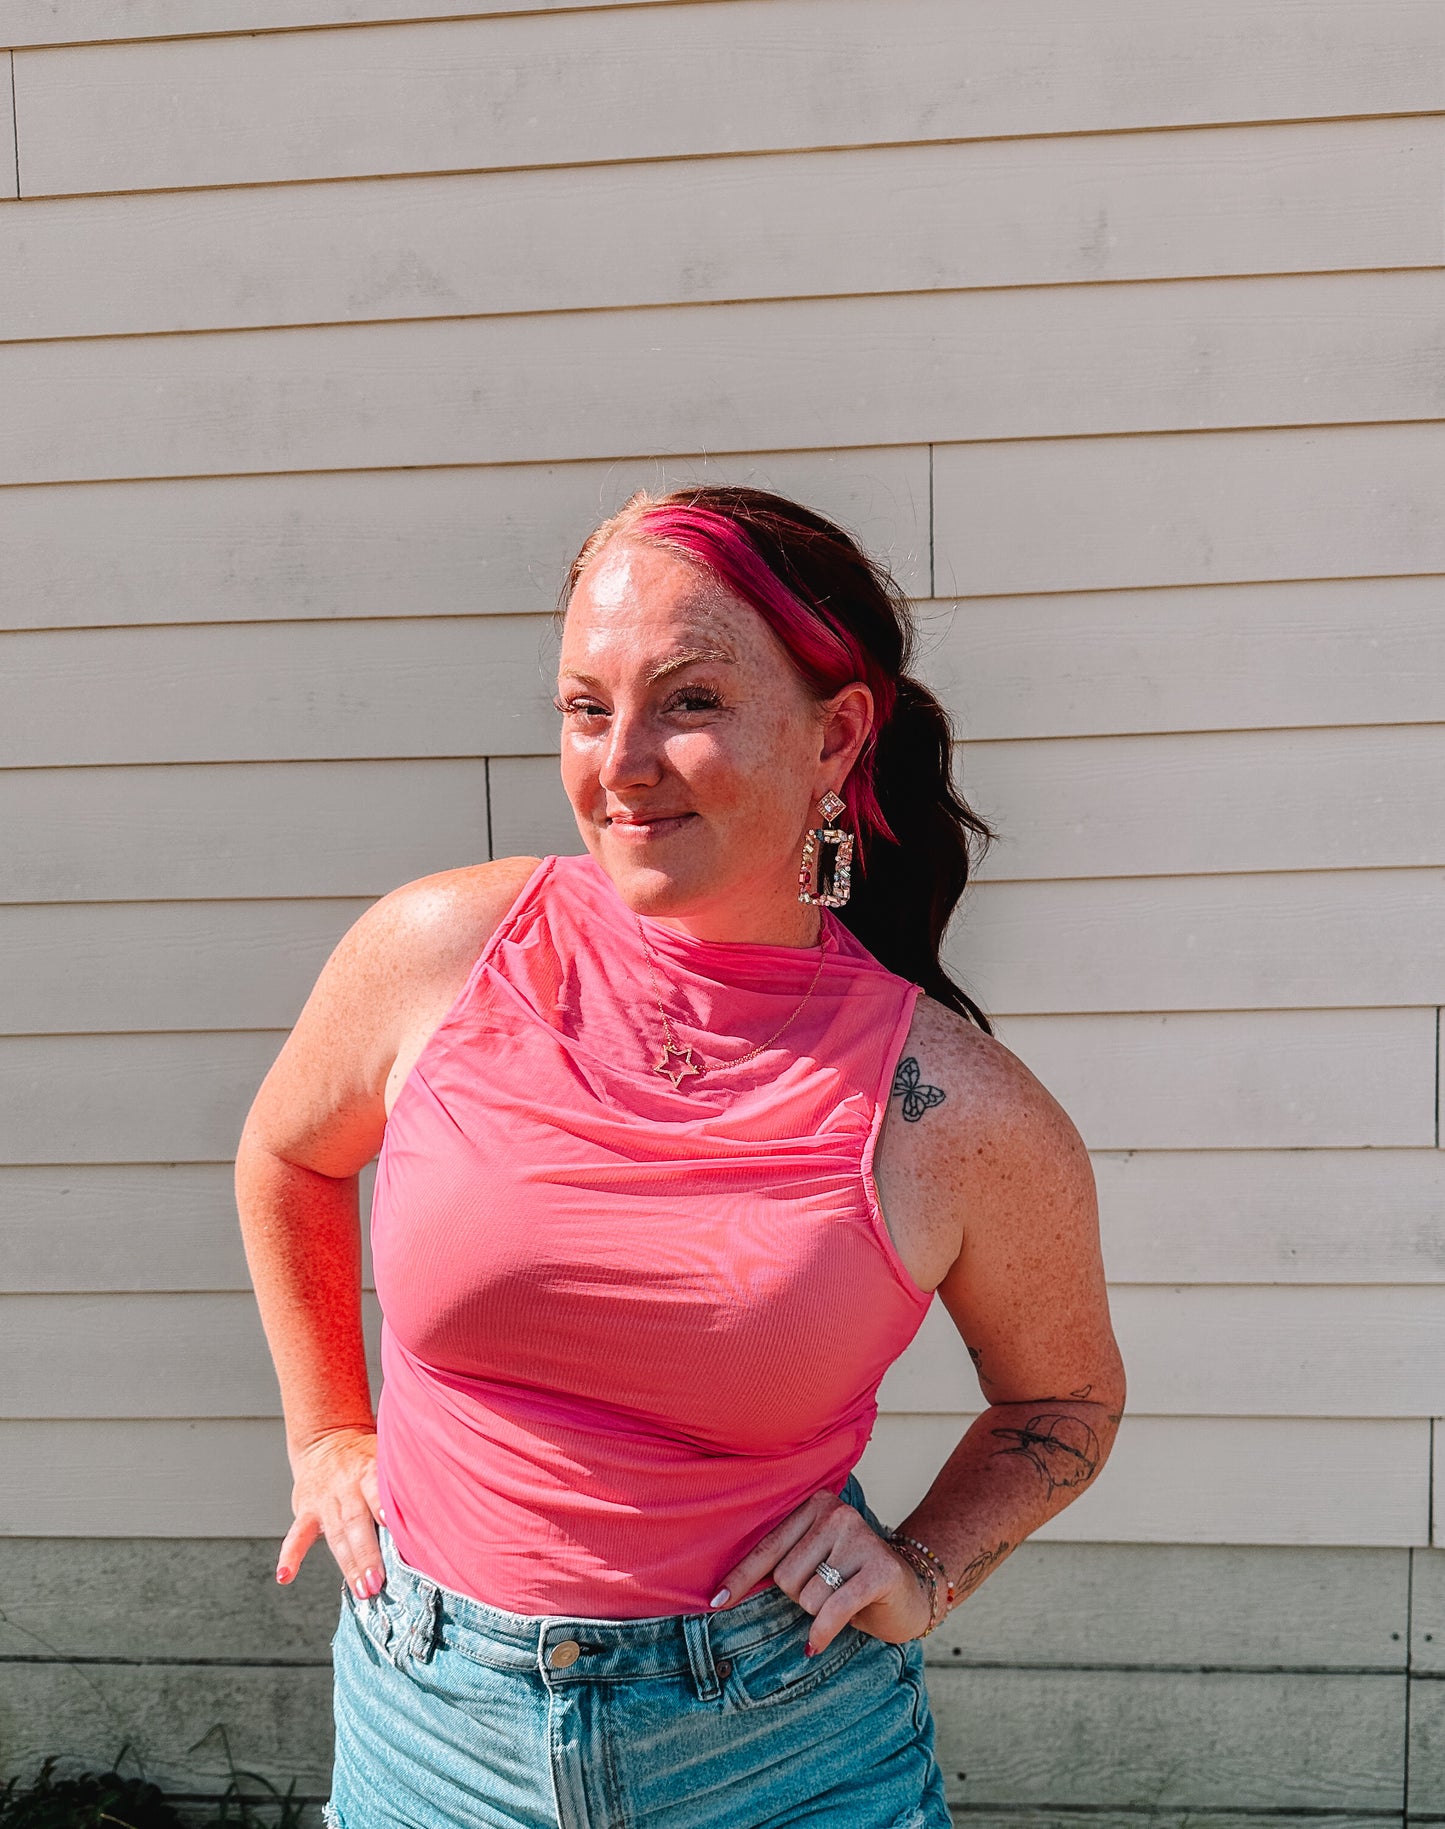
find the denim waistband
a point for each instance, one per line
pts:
(421, 1616)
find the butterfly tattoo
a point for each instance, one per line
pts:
(917, 1098)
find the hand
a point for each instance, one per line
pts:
(880, 1593)
(335, 1493)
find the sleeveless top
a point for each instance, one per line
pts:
(629, 1327)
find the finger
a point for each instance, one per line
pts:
(764, 1556)
(835, 1538)
(302, 1534)
(351, 1536)
(840, 1606)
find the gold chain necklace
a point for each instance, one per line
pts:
(683, 1057)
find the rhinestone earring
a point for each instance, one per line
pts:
(825, 875)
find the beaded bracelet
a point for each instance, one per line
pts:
(937, 1563)
(924, 1573)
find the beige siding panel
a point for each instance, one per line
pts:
(530, 813)
(1191, 509)
(1286, 1079)
(1189, 1352)
(1215, 201)
(169, 1478)
(1172, 1217)
(116, 1226)
(1172, 1479)
(1196, 804)
(128, 1098)
(1214, 657)
(1267, 1216)
(9, 175)
(144, 1355)
(59, 22)
(658, 82)
(107, 966)
(277, 691)
(451, 542)
(1230, 1351)
(1202, 1479)
(1048, 361)
(1109, 1603)
(1208, 1740)
(238, 829)
(1204, 943)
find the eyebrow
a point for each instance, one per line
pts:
(687, 657)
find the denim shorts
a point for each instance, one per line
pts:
(450, 1714)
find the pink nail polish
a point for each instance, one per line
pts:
(721, 1595)
(360, 1585)
(810, 1651)
(283, 1573)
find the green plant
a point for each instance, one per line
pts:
(86, 1801)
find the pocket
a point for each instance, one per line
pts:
(381, 1622)
(775, 1670)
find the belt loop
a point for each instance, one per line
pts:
(696, 1629)
(425, 1632)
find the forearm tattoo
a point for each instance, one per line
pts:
(917, 1097)
(978, 1568)
(1063, 1448)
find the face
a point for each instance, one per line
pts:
(692, 752)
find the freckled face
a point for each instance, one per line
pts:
(692, 752)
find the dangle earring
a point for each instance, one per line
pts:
(827, 867)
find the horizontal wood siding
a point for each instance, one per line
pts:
(328, 329)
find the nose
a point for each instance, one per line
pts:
(632, 755)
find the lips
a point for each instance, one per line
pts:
(645, 825)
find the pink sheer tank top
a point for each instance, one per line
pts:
(628, 1327)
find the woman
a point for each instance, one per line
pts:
(673, 1160)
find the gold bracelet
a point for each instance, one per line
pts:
(922, 1572)
(898, 1537)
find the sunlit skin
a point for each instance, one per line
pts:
(694, 757)
(693, 754)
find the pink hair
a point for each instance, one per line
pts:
(826, 653)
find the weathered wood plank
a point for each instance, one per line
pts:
(451, 542)
(1256, 801)
(1427, 1609)
(59, 22)
(250, 829)
(1309, 197)
(1287, 1079)
(1170, 1604)
(1201, 1479)
(594, 86)
(142, 1226)
(278, 1721)
(278, 691)
(9, 173)
(107, 966)
(1050, 1603)
(1192, 508)
(128, 1098)
(1202, 1351)
(1204, 943)
(1264, 1216)
(1037, 362)
(1210, 1740)
(1190, 1351)
(145, 1355)
(1175, 1217)
(1352, 650)
(1427, 1749)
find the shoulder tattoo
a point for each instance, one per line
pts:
(917, 1096)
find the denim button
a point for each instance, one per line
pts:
(725, 1669)
(568, 1652)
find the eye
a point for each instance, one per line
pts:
(579, 706)
(695, 698)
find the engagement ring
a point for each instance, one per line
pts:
(829, 1574)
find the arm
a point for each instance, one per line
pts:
(993, 1191)
(317, 1119)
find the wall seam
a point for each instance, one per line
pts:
(15, 125)
(1409, 1678)
(933, 577)
(487, 796)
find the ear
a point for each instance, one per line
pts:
(847, 720)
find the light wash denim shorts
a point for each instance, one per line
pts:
(451, 1714)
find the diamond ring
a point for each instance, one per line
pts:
(832, 1576)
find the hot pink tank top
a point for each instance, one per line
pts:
(627, 1327)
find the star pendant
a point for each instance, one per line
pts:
(685, 1064)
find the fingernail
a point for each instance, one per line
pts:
(283, 1573)
(721, 1595)
(360, 1585)
(810, 1651)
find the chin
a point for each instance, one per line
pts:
(659, 879)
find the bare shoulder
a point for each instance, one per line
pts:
(387, 984)
(972, 1139)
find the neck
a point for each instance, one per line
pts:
(767, 915)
